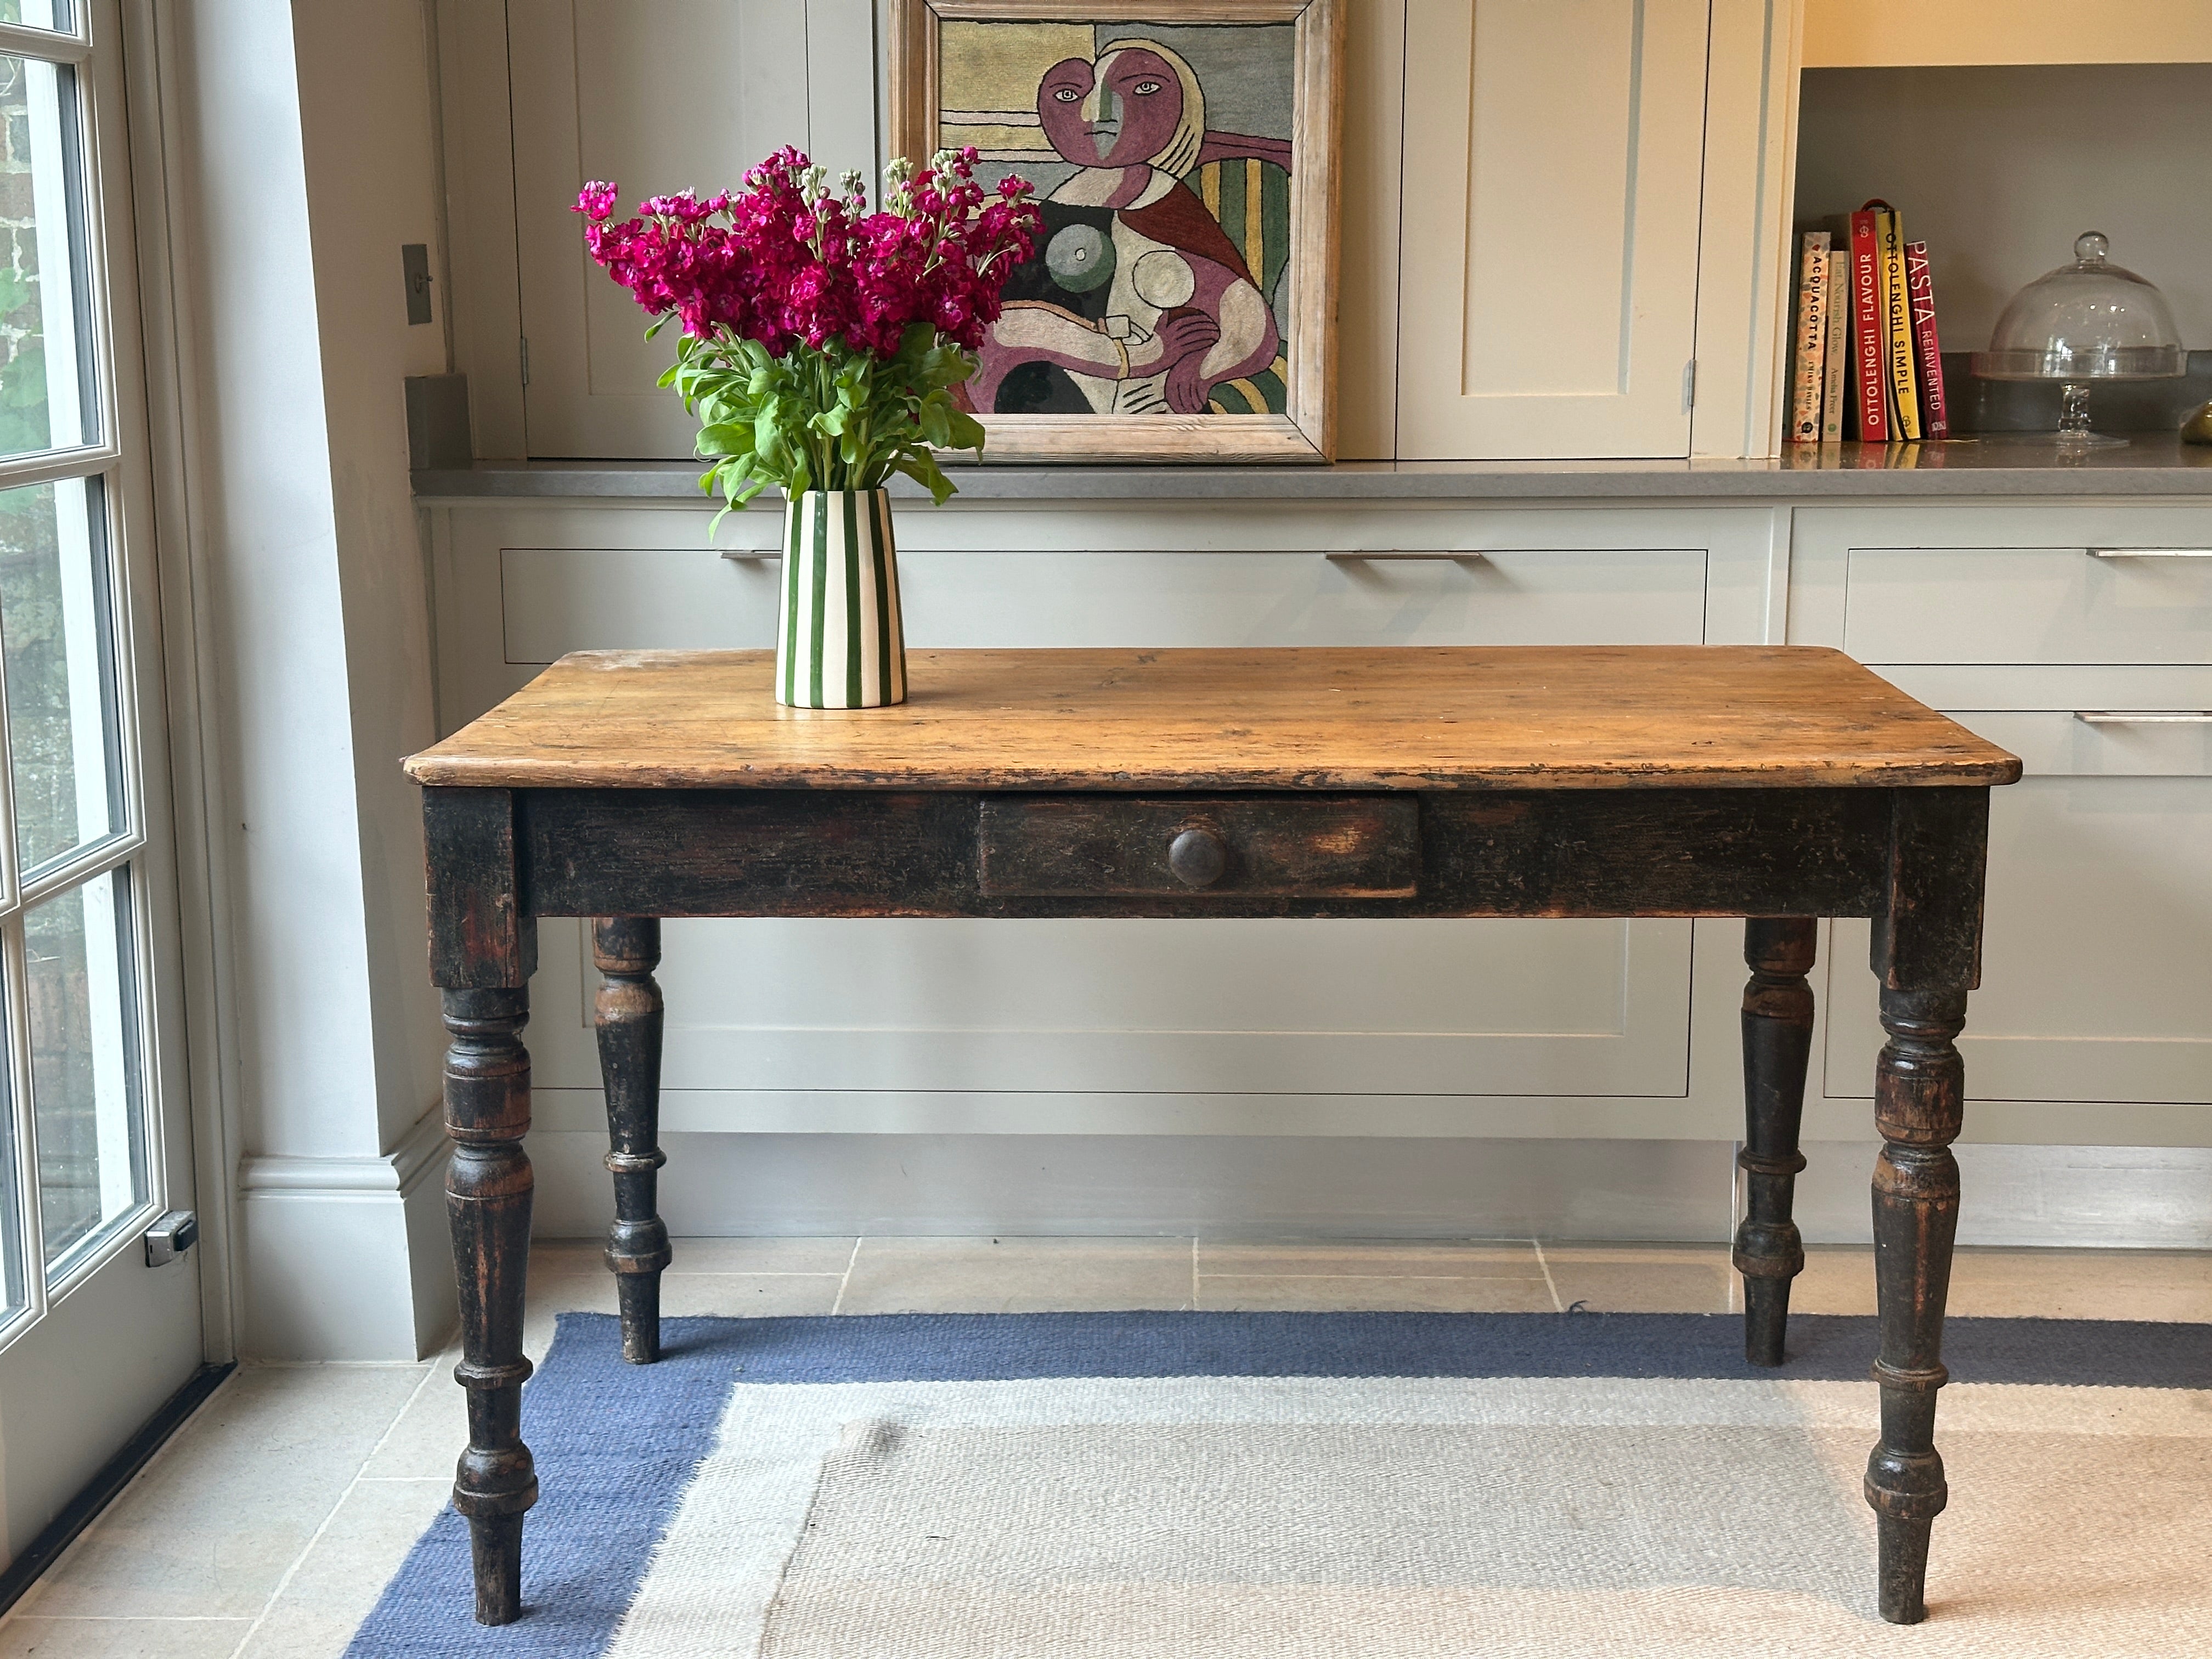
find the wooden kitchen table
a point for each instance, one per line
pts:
(1777, 783)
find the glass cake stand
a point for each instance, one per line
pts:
(2089, 321)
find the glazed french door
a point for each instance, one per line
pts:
(93, 1142)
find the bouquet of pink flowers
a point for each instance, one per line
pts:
(820, 342)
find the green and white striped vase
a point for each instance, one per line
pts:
(838, 640)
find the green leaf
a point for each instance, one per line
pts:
(967, 430)
(914, 345)
(924, 472)
(936, 420)
(727, 439)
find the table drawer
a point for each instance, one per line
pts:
(1103, 847)
(2107, 603)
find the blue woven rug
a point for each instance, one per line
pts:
(949, 1486)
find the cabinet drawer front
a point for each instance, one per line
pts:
(2101, 743)
(1089, 845)
(1195, 1024)
(2096, 962)
(554, 600)
(2028, 604)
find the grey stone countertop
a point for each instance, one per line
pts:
(2151, 463)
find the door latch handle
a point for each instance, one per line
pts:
(171, 1235)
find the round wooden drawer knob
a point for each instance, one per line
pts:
(1197, 858)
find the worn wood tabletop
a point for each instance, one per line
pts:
(1284, 717)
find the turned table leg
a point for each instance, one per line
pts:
(1919, 1089)
(1927, 951)
(1778, 1041)
(629, 1017)
(487, 1201)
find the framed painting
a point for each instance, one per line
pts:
(1181, 305)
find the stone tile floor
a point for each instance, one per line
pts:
(270, 1524)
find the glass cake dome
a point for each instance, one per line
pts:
(2089, 320)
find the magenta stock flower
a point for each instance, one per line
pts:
(788, 262)
(598, 200)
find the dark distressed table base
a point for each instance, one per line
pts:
(1911, 859)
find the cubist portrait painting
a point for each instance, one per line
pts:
(1162, 158)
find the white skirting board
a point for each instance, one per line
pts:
(1248, 1186)
(2129, 1197)
(349, 1258)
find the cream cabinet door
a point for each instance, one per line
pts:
(676, 94)
(1548, 264)
(1103, 1027)
(2097, 958)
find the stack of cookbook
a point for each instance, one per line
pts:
(1865, 363)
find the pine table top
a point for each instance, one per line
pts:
(1514, 717)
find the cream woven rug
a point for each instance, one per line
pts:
(929, 1488)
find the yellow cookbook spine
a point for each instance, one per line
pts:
(1897, 311)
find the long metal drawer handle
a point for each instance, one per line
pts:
(2149, 552)
(771, 555)
(2120, 717)
(1394, 553)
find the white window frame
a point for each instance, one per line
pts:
(122, 462)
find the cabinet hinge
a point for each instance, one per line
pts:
(525, 360)
(1689, 385)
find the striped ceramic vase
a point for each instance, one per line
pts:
(838, 641)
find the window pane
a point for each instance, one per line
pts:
(12, 1294)
(44, 340)
(37, 14)
(92, 1155)
(58, 653)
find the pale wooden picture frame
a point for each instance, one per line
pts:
(1305, 430)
